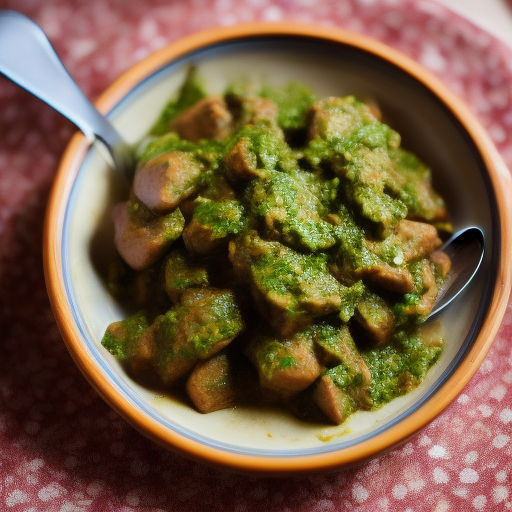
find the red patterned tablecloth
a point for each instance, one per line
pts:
(61, 448)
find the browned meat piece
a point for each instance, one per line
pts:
(218, 189)
(142, 239)
(242, 251)
(290, 288)
(360, 258)
(410, 180)
(241, 162)
(164, 181)
(211, 319)
(441, 262)
(204, 322)
(337, 351)
(143, 351)
(375, 317)
(288, 211)
(288, 366)
(199, 238)
(397, 279)
(428, 297)
(337, 117)
(333, 401)
(240, 258)
(180, 274)
(209, 118)
(211, 385)
(248, 109)
(174, 356)
(130, 340)
(417, 238)
(213, 224)
(344, 388)
(366, 174)
(257, 110)
(336, 346)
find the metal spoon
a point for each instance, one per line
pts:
(28, 59)
(466, 251)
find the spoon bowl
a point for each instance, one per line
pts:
(466, 252)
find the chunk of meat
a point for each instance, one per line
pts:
(129, 341)
(397, 279)
(250, 109)
(358, 258)
(143, 351)
(345, 387)
(411, 240)
(428, 297)
(257, 110)
(420, 302)
(441, 262)
(336, 346)
(199, 238)
(243, 250)
(218, 189)
(209, 118)
(204, 322)
(211, 385)
(376, 318)
(174, 355)
(410, 180)
(290, 289)
(366, 175)
(289, 212)
(337, 117)
(142, 237)
(213, 224)
(337, 351)
(164, 181)
(288, 365)
(416, 238)
(241, 162)
(333, 401)
(181, 273)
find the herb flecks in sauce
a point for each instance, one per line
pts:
(283, 248)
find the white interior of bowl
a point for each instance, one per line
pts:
(426, 129)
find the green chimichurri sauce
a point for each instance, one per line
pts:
(297, 267)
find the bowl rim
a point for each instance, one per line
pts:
(76, 151)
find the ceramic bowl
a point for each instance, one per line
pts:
(434, 124)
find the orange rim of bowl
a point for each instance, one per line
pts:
(346, 456)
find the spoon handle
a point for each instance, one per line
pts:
(28, 59)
